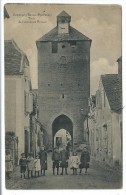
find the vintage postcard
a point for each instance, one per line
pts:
(63, 96)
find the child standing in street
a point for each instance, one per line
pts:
(37, 165)
(64, 156)
(56, 160)
(8, 164)
(43, 160)
(23, 165)
(74, 162)
(30, 164)
(85, 159)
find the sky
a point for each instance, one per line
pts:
(101, 23)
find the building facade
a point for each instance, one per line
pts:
(105, 121)
(63, 80)
(18, 98)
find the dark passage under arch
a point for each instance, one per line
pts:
(62, 122)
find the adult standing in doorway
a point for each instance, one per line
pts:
(43, 160)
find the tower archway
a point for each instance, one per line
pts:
(61, 124)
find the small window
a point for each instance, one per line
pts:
(63, 96)
(54, 47)
(72, 43)
(48, 84)
(63, 46)
(61, 84)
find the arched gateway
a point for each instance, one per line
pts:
(62, 122)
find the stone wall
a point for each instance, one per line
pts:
(64, 83)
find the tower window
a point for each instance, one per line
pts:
(54, 47)
(63, 46)
(72, 43)
(48, 84)
(63, 96)
(61, 84)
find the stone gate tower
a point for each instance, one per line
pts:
(63, 80)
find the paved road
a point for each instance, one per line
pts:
(98, 177)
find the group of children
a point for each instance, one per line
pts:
(33, 166)
(60, 159)
(30, 165)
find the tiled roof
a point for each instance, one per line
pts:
(54, 36)
(13, 58)
(113, 87)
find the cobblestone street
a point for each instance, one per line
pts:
(98, 177)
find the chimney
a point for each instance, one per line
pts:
(119, 66)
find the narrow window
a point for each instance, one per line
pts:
(63, 96)
(54, 47)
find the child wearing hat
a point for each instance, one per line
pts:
(23, 165)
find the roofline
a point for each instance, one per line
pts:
(39, 40)
(16, 47)
(63, 40)
(115, 111)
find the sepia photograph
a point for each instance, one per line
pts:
(63, 96)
